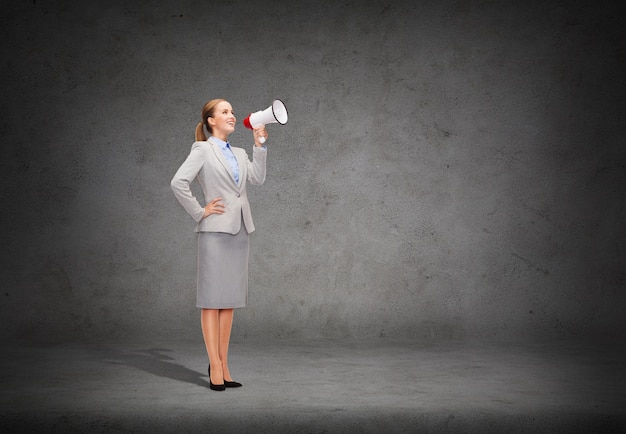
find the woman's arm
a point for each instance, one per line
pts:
(257, 167)
(183, 178)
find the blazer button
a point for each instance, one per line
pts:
(238, 195)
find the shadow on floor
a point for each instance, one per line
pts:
(157, 361)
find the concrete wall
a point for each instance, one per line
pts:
(449, 169)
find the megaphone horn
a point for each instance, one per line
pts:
(276, 113)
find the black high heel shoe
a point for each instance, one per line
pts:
(230, 384)
(218, 387)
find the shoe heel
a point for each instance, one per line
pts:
(218, 387)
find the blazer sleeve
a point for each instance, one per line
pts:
(257, 167)
(183, 178)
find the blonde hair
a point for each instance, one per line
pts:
(207, 112)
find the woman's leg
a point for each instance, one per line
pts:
(210, 320)
(226, 325)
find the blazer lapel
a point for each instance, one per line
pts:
(220, 156)
(241, 167)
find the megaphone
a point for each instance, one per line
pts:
(276, 113)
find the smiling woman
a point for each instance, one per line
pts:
(219, 118)
(223, 226)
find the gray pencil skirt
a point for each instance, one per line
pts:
(222, 270)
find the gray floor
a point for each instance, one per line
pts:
(378, 385)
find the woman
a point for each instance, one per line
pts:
(223, 225)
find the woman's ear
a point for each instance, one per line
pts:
(210, 121)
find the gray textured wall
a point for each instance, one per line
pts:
(449, 169)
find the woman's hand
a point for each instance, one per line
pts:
(214, 207)
(260, 135)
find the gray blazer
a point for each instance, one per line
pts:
(206, 162)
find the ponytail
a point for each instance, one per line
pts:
(207, 112)
(200, 135)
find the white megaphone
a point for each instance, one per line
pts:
(276, 113)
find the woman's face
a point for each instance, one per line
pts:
(223, 120)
